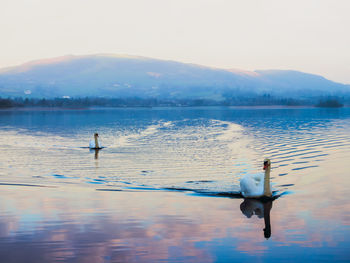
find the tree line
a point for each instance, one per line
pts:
(264, 100)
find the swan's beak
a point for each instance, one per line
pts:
(266, 164)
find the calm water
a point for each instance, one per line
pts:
(62, 202)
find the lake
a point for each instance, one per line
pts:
(164, 188)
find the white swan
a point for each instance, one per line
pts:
(95, 144)
(256, 186)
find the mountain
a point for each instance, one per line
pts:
(132, 76)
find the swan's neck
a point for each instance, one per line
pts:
(96, 142)
(267, 188)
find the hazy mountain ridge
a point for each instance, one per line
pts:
(129, 76)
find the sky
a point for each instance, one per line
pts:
(307, 35)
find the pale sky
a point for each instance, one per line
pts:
(307, 35)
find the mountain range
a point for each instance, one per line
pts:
(113, 76)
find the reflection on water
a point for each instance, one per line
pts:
(261, 209)
(50, 209)
(95, 151)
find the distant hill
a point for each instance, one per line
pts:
(131, 76)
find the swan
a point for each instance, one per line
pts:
(95, 144)
(257, 186)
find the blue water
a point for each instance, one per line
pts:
(200, 151)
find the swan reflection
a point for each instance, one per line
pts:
(261, 209)
(96, 152)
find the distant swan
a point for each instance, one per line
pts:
(257, 186)
(95, 144)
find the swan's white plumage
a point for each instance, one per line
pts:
(252, 185)
(92, 144)
(257, 185)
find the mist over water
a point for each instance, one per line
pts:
(204, 150)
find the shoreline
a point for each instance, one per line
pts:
(166, 107)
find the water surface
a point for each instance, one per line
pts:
(61, 201)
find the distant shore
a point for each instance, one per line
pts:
(87, 103)
(19, 109)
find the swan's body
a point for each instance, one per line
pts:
(252, 186)
(257, 186)
(95, 144)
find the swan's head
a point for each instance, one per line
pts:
(96, 135)
(267, 163)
